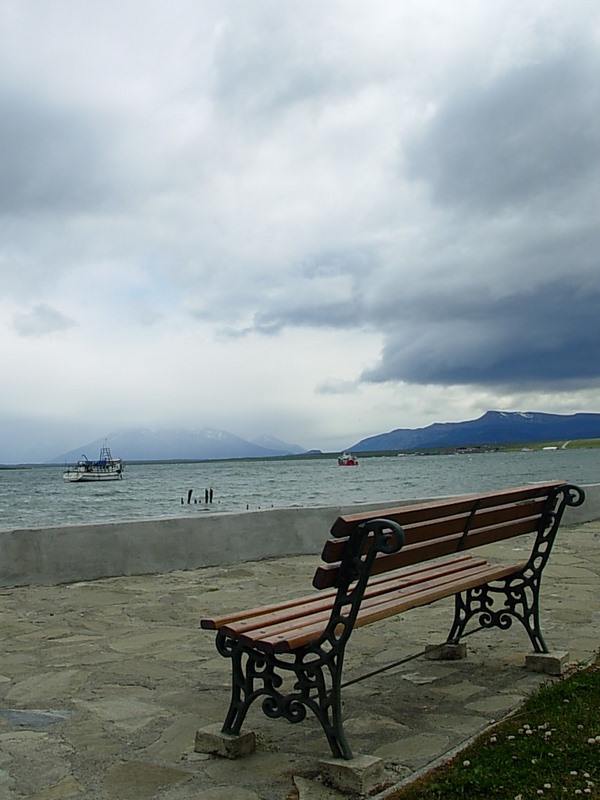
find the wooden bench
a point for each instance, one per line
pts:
(379, 564)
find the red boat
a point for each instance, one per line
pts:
(347, 460)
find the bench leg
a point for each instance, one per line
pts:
(247, 669)
(238, 705)
(317, 687)
(327, 705)
(520, 601)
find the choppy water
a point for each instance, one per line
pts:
(39, 497)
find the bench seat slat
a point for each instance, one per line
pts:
(413, 513)
(216, 623)
(288, 608)
(323, 601)
(425, 596)
(326, 574)
(301, 636)
(444, 526)
(401, 587)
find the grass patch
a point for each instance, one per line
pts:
(550, 748)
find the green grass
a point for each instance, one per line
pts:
(549, 749)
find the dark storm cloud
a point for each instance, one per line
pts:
(505, 290)
(547, 335)
(516, 164)
(51, 159)
(532, 132)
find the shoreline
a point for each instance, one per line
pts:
(68, 554)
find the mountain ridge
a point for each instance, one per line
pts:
(205, 444)
(180, 444)
(493, 428)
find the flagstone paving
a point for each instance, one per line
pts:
(103, 684)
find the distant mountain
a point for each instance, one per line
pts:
(277, 446)
(494, 427)
(174, 445)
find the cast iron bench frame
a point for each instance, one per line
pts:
(379, 564)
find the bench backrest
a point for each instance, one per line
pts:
(443, 527)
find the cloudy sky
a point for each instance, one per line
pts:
(316, 220)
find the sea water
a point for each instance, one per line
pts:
(36, 497)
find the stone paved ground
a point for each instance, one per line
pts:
(104, 684)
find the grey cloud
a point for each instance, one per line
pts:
(311, 303)
(341, 261)
(322, 313)
(248, 181)
(504, 305)
(548, 335)
(491, 313)
(336, 387)
(51, 158)
(516, 304)
(40, 321)
(532, 132)
(265, 64)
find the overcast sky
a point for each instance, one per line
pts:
(316, 220)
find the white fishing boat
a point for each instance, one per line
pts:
(347, 460)
(106, 468)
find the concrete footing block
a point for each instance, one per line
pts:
(213, 741)
(359, 775)
(446, 651)
(549, 663)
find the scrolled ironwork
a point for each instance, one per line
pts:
(288, 707)
(516, 597)
(316, 667)
(576, 495)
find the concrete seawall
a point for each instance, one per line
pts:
(48, 556)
